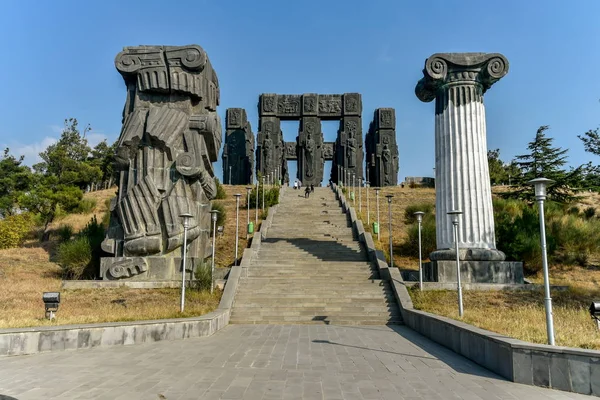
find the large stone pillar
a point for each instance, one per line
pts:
(457, 82)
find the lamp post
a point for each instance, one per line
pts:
(248, 189)
(360, 185)
(377, 197)
(368, 209)
(212, 260)
(354, 190)
(186, 223)
(263, 194)
(540, 185)
(256, 205)
(419, 215)
(237, 225)
(389, 200)
(454, 216)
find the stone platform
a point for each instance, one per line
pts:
(501, 272)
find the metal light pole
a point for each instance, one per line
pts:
(256, 205)
(248, 189)
(540, 185)
(368, 209)
(360, 185)
(354, 190)
(230, 174)
(237, 225)
(263, 194)
(186, 223)
(419, 215)
(389, 199)
(454, 216)
(378, 225)
(212, 261)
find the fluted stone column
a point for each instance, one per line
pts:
(457, 82)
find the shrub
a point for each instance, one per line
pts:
(589, 212)
(271, 197)
(64, 232)
(220, 190)
(410, 246)
(203, 276)
(221, 216)
(85, 206)
(409, 217)
(570, 237)
(14, 230)
(74, 257)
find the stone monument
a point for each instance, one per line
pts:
(171, 135)
(309, 148)
(457, 82)
(382, 150)
(238, 151)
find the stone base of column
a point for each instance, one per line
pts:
(468, 255)
(506, 272)
(152, 268)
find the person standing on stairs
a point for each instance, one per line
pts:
(307, 192)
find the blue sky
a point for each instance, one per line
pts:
(59, 62)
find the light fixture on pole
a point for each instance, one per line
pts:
(212, 261)
(454, 216)
(540, 185)
(248, 189)
(256, 205)
(186, 224)
(263, 194)
(389, 200)
(360, 185)
(419, 215)
(368, 209)
(237, 225)
(377, 197)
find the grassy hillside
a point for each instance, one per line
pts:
(25, 273)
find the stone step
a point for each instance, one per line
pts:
(319, 319)
(314, 302)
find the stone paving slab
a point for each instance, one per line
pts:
(265, 362)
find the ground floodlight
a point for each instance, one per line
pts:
(51, 302)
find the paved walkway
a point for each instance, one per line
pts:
(265, 362)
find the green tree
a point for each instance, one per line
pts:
(15, 179)
(498, 174)
(47, 196)
(68, 159)
(103, 157)
(591, 141)
(544, 160)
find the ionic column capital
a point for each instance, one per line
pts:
(447, 69)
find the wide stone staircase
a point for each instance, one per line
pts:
(311, 269)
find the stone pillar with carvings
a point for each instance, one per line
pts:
(170, 138)
(457, 82)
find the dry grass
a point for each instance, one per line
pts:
(225, 246)
(26, 273)
(403, 197)
(78, 221)
(520, 314)
(517, 314)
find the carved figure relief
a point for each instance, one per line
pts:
(351, 144)
(269, 104)
(287, 105)
(309, 104)
(330, 106)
